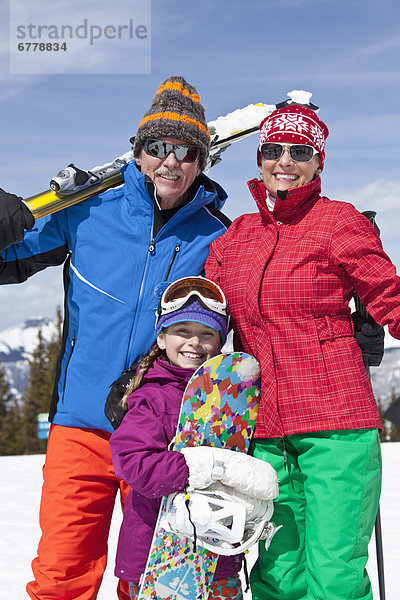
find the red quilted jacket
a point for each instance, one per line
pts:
(288, 277)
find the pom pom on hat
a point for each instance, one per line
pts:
(177, 112)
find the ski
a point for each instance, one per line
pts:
(72, 185)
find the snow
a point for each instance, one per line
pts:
(240, 120)
(19, 509)
(25, 336)
(300, 96)
(250, 116)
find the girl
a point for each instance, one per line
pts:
(191, 327)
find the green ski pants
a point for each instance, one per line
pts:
(327, 504)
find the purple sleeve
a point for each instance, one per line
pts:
(140, 455)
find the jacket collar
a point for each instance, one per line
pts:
(161, 371)
(290, 205)
(203, 190)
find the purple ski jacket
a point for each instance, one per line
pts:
(139, 449)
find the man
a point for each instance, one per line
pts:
(118, 249)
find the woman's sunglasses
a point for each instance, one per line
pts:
(298, 152)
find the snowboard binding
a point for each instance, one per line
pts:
(220, 519)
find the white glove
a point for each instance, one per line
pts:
(250, 476)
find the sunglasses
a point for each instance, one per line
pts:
(298, 152)
(159, 149)
(180, 292)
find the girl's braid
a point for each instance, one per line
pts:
(144, 365)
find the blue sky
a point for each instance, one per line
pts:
(347, 53)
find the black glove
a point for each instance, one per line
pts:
(370, 337)
(15, 217)
(113, 411)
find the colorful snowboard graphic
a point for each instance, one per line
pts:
(219, 408)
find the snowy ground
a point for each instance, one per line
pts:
(19, 533)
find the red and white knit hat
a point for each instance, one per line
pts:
(294, 124)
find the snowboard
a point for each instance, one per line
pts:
(219, 408)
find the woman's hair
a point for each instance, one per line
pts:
(144, 365)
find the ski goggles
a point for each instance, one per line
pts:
(179, 293)
(159, 149)
(298, 152)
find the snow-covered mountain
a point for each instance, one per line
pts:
(17, 344)
(16, 347)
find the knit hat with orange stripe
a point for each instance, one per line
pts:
(176, 111)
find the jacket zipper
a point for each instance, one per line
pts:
(67, 365)
(175, 254)
(152, 247)
(265, 268)
(265, 321)
(150, 250)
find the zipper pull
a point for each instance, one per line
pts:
(152, 245)
(176, 250)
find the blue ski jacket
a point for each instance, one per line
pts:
(113, 265)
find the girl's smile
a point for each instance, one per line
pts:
(189, 344)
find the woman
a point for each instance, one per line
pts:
(289, 272)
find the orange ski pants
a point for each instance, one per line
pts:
(78, 496)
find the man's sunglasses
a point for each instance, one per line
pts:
(298, 152)
(159, 149)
